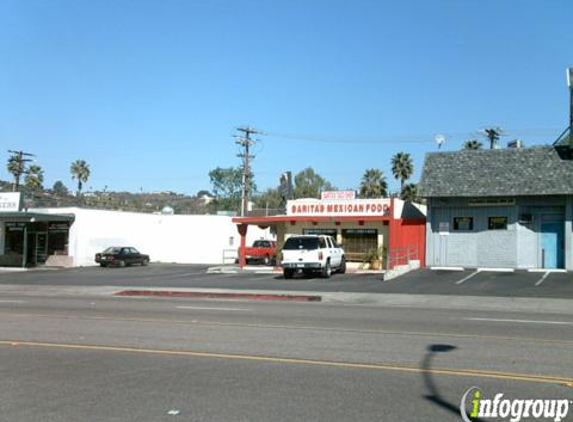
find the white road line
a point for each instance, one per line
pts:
(542, 279)
(521, 321)
(467, 278)
(13, 301)
(214, 309)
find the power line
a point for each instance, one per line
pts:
(399, 139)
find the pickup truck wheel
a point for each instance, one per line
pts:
(288, 273)
(327, 270)
(342, 268)
(267, 260)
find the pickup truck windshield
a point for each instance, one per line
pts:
(294, 243)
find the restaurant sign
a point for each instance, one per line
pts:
(338, 194)
(350, 207)
(10, 202)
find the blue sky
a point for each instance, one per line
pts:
(149, 92)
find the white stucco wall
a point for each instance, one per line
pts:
(190, 239)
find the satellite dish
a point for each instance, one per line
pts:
(440, 140)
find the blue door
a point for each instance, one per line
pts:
(552, 245)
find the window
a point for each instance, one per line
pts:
(308, 243)
(463, 223)
(497, 223)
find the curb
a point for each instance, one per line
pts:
(215, 295)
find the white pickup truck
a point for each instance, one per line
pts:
(311, 253)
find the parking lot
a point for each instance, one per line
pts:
(424, 281)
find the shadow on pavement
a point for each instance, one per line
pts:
(434, 395)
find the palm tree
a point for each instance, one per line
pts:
(80, 170)
(410, 193)
(473, 144)
(34, 178)
(402, 167)
(16, 167)
(373, 184)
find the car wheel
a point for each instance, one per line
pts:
(267, 260)
(145, 262)
(121, 264)
(288, 273)
(103, 264)
(342, 268)
(327, 270)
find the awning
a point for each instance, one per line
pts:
(34, 217)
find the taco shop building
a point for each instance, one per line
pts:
(359, 225)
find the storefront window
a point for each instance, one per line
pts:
(14, 238)
(357, 242)
(463, 223)
(497, 223)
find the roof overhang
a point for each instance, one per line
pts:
(274, 220)
(34, 217)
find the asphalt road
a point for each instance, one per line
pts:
(133, 359)
(459, 283)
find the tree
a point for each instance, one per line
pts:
(402, 167)
(410, 193)
(473, 144)
(373, 184)
(80, 170)
(16, 167)
(227, 186)
(271, 198)
(60, 189)
(34, 178)
(308, 184)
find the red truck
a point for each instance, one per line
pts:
(262, 250)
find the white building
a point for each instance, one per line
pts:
(72, 236)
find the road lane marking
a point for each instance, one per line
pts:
(13, 301)
(467, 278)
(542, 279)
(297, 327)
(200, 308)
(324, 363)
(521, 321)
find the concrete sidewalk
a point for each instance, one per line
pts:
(469, 303)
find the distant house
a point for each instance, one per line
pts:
(499, 208)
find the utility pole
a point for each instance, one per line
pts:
(246, 142)
(493, 136)
(20, 162)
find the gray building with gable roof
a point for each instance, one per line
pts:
(510, 208)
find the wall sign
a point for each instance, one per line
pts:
(358, 207)
(10, 202)
(342, 194)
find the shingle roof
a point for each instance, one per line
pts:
(501, 172)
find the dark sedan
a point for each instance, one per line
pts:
(121, 256)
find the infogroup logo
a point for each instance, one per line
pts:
(513, 410)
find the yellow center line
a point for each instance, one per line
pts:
(336, 364)
(300, 327)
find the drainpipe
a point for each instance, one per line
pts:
(570, 85)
